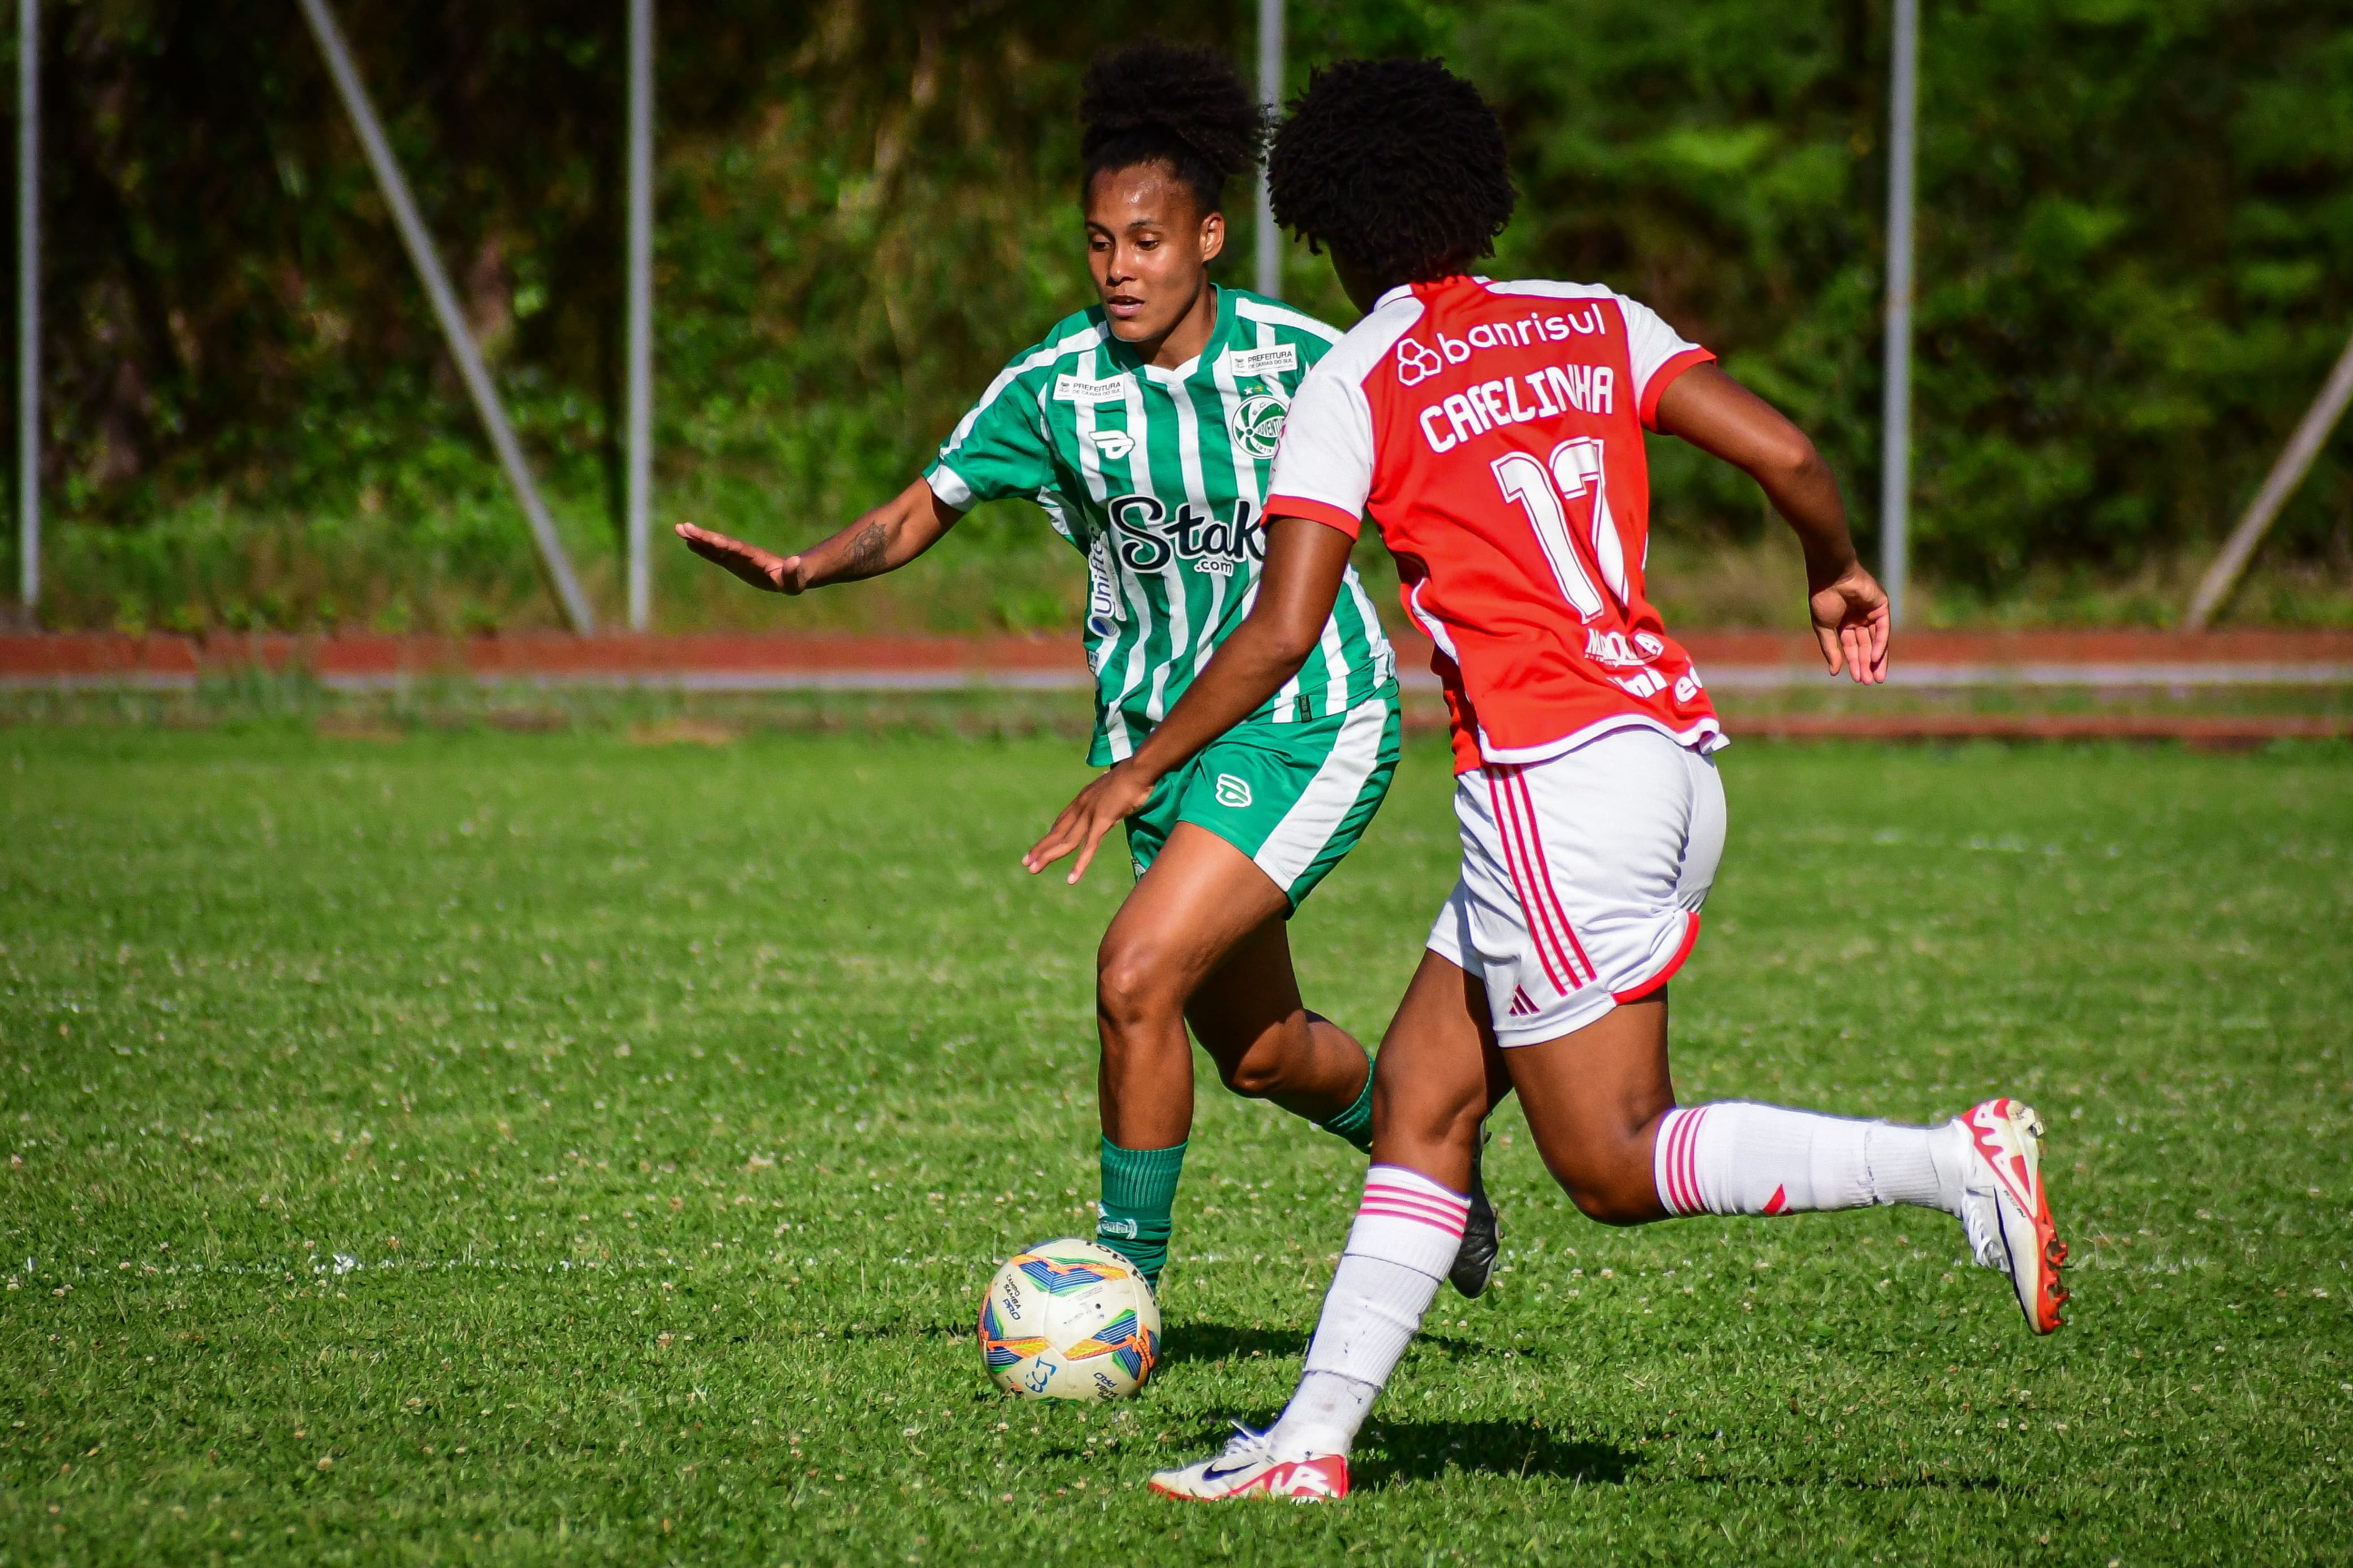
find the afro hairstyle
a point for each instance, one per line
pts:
(1397, 165)
(1155, 102)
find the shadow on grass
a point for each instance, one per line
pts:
(1892, 1479)
(1425, 1450)
(1399, 1453)
(1190, 1342)
(1395, 1452)
(1196, 1342)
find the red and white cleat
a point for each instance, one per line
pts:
(2006, 1212)
(1247, 1469)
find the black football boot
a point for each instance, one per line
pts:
(1483, 1233)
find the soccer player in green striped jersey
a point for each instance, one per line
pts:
(1145, 425)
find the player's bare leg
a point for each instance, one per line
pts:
(1247, 1016)
(1194, 937)
(1594, 1100)
(1201, 932)
(1600, 1105)
(1202, 938)
(1440, 1074)
(1447, 1076)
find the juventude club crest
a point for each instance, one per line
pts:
(1257, 422)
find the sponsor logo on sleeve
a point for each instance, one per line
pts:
(1104, 612)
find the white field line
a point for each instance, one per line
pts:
(40, 1272)
(1721, 678)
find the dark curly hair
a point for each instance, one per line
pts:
(1397, 165)
(1155, 102)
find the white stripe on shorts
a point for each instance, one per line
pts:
(1316, 815)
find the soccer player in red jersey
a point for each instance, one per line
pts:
(1494, 431)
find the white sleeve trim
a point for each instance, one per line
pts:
(1650, 344)
(1326, 453)
(1046, 355)
(1283, 316)
(950, 487)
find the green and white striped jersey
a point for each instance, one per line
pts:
(1158, 475)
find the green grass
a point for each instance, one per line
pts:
(493, 1148)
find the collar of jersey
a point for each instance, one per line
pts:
(1405, 290)
(1127, 359)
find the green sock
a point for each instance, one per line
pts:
(1355, 1124)
(1139, 1190)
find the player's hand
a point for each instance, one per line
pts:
(760, 568)
(1116, 794)
(1850, 623)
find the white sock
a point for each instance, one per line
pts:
(1324, 1415)
(1406, 1233)
(1739, 1157)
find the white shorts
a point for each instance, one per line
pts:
(1582, 878)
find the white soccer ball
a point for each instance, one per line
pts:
(1069, 1320)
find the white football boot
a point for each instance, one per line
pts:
(2005, 1210)
(1247, 1469)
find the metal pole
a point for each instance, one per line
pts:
(1895, 413)
(1270, 93)
(2288, 469)
(640, 457)
(419, 245)
(28, 304)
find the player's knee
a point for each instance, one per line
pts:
(1130, 985)
(1427, 1116)
(1612, 1186)
(1255, 1076)
(1614, 1206)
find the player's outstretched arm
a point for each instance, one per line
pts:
(881, 540)
(1305, 563)
(1725, 419)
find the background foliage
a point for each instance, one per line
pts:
(2137, 263)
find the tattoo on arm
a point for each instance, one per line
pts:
(864, 555)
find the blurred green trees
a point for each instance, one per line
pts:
(2136, 232)
(2137, 263)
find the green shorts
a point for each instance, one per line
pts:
(1293, 797)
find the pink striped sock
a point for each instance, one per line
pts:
(1406, 1233)
(1736, 1156)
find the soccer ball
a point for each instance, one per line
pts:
(1069, 1320)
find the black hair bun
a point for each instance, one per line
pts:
(1153, 88)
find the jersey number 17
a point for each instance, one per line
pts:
(1544, 490)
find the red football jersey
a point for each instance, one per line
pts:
(1494, 432)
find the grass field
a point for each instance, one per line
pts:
(490, 1148)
